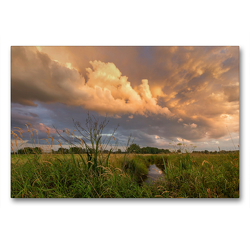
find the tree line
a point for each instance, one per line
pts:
(133, 148)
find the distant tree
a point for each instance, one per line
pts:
(134, 148)
(63, 151)
(20, 151)
(29, 150)
(37, 150)
(152, 150)
(76, 150)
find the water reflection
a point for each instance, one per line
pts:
(154, 173)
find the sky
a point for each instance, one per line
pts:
(161, 95)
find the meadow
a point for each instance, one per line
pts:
(68, 176)
(101, 172)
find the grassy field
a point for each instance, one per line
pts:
(68, 176)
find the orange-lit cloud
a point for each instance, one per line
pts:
(106, 91)
(195, 89)
(45, 129)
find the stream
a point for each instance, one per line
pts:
(154, 173)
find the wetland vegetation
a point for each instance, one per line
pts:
(98, 172)
(66, 176)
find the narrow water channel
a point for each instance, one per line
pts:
(154, 173)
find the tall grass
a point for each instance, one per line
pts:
(98, 175)
(44, 176)
(202, 175)
(66, 176)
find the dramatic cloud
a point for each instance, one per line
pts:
(158, 94)
(35, 77)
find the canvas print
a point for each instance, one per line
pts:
(125, 122)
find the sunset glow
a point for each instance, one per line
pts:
(158, 94)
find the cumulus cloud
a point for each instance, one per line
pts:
(35, 77)
(184, 92)
(113, 93)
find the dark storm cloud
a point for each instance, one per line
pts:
(36, 77)
(32, 114)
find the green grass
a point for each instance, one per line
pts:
(67, 176)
